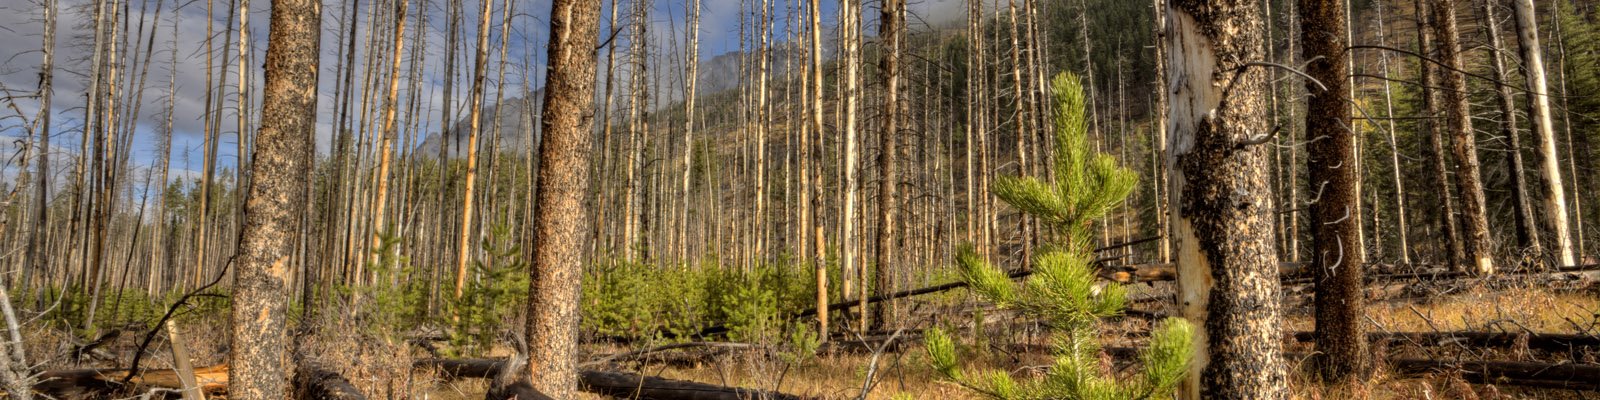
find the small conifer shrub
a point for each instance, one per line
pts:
(1063, 291)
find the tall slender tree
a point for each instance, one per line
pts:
(480, 68)
(1458, 121)
(391, 100)
(1554, 197)
(1337, 255)
(890, 23)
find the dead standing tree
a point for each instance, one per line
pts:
(1458, 122)
(275, 201)
(562, 225)
(1337, 254)
(1222, 221)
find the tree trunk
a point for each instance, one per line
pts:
(562, 225)
(390, 106)
(275, 201)
(1553, 193)
(37, 254)
(1527, 234)
(890, 21)
(1336, 221)
(1451, 239)
(849, 15)
(1227, 263)
(480, 68)
(1458, 120)
(816, 128)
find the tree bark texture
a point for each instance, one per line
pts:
(1335, 219)
(1222, 215)
(275, 201)
(561, 223)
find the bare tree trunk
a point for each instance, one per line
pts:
(36, 258)
(850, 20)
(1227, 263)
(691, 79)
(1020, 106)
(275, 202)
(561, 225)
(480, 68)
(890, 22)
(821, 263)
(1430, 103)
(1394, 148)
(1331, 153)
(1464, 144)
(1553, 192)
(390, 108)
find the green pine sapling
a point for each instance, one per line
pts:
(1063, 291)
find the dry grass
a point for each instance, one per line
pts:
(381, 367)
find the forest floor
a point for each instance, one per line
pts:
(907, 372)
(381, 367)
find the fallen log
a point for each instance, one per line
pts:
(315, 382)
(654, 351)
(1515, 373)
(616, 384)
(78, 383)
(1544, 341)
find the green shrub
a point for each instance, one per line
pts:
(491, 299)
(640, 300)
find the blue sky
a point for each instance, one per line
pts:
(181, 28)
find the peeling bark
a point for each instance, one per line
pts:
(1222, 220)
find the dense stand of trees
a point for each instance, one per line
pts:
(1338, 133)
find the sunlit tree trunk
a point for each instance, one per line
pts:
(256, 365)
(480, 68)
(561, 225)
(1227, 263)
(1553, 193)
(391, 105)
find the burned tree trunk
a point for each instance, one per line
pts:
(275, 202)
(893, 17)
(1458, 122)
(561, 224)
(1337, 255)
(1227, 261)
